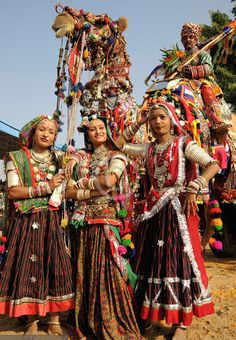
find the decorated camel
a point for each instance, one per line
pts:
(95, 43)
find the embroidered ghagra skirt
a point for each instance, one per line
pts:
(36, 273)
(172, 282)
(103, 302)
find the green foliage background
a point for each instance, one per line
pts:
(226, 74)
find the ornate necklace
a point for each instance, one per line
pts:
(159, 148)
(42, 165)
(161, 163)
(98, 159)
(43, 157)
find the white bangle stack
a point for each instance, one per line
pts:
(83, 194)
(198, 184)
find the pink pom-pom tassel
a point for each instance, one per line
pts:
(122, 250)
(217, 245)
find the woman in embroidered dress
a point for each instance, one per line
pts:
(172, 282)
(103, 300)
(36, 276)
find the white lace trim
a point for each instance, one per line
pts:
(34, 300)
(176, 306)
(183, 227)
(168, 195)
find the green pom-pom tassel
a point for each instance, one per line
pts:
(122, 213)
(126, 242)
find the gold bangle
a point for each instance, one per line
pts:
(79, 194)
(86, 194)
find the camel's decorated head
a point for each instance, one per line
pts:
(96, 43)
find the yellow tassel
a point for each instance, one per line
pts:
(64, 222)
(86, 54)
(131, 245)
(195, 133)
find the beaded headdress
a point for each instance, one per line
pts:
(86, 123)
(26, 133)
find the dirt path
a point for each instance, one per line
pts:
(221, 326)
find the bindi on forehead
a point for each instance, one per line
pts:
(47, 124)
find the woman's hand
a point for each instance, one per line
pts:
(69, 168)
(142, 116)
(190, 204)
(56, 180)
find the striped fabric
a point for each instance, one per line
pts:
(36, 274)
(103, 302)
(167, 287)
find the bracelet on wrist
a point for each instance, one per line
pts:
(91, 183)
(83, 194)
(79, 183)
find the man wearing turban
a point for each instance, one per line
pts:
(200, 70)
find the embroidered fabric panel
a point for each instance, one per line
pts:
(101, 209)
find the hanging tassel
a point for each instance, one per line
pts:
(216, 224)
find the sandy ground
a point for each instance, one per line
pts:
(221, 325)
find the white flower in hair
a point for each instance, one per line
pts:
(52, 168)
(49, 176)
(178, 111)
(37, 177)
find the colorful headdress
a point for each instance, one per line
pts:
(26, 133)
(170, 109)
(190, 28)
(85, 125)
(87, 118)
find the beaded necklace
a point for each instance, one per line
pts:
(98, 159)
(42, 165)
(43, 157)
(161, 162)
